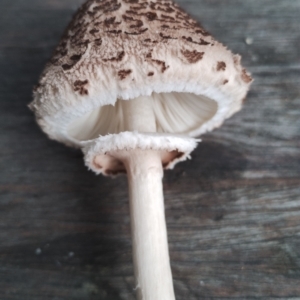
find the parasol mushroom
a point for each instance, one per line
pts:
(132, 83)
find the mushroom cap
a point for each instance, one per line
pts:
(115, 50)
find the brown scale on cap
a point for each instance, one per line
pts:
(137, 32)
(161, 63)
(76, 57)
(124, 73)
(114, 31)
(202, 42)
(150, 41)
(164, 7)
(246, 77)
(98, 42)
(111, 22)
(94, 31)
(151, 16)
(167, 17)
(167, 37)
(192, 56)
(117, 58)
(80, 86)
(203, 32)
(221, 66)
(128, 18)
(106, 6)
(138, 24)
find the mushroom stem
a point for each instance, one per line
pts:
(150, 244)
(139, 115)
(148, 225)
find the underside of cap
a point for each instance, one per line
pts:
(174, 113)
(100, 153)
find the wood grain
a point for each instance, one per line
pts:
(233, 212)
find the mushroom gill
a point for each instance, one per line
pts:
(174, 112)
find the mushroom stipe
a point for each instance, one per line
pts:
(132, 83)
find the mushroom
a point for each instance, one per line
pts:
(132, 83)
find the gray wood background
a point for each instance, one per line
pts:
(233, 212)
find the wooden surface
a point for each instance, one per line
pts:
(232, 212)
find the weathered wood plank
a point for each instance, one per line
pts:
(233, 212)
